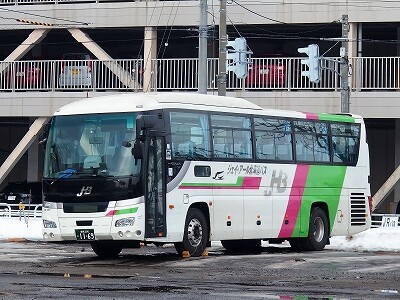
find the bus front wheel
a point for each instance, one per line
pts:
(195, 236)
(107, 249)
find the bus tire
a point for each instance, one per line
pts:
(107, 249)
(195, 236)
(318, 232)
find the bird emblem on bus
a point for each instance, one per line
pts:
(219, 175)
(86, 190)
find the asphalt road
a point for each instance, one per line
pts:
(36, 270)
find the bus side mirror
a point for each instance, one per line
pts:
(144, 122)
(137, 150)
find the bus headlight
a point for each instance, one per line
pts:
(51, 205)
(125, 222)
(49, 224)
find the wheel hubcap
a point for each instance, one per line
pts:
(195, 232)
(319, 229)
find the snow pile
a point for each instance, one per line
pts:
(13, 228)
(375, 239)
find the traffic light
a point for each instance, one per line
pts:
(237, 59)
(313, 62)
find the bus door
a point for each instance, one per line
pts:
(155, 188)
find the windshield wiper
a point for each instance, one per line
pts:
(64, 174)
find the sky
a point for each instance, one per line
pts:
(374, 239)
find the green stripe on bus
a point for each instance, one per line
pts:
(337, 118)
(131, 210)
(324, 184)
(238, 182)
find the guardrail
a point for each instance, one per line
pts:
(12, 210)
(385, 220)
(368, 73)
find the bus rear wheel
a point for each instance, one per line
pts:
(318, 232)
(195, 235)
(107, 249)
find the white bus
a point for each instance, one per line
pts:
(189, 169)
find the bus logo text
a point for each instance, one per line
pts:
(279, 181)
(86, 190)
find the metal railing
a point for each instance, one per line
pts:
(12, 210)
(368, 73)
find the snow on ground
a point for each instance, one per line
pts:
(375, 239)
(13, 228)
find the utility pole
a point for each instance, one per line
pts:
(202, 75)
(222, 50)
(344, 66)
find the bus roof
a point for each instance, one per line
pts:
(150, 101)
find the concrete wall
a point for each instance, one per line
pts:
(186, 13)
(366, 104)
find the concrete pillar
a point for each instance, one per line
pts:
(352, 52)
(149, 54)
(34, 38)
(353, 39)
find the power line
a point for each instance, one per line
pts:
(253, 12)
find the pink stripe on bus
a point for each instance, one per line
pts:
(311, 116)
(296, 195)
(251, 182)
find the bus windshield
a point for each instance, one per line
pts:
(91, 145)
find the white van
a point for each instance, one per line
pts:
(75, 70)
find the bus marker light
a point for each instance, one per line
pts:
(138, 232)
(128, 234)
(120, 233)
(171, 206)
(210, 203)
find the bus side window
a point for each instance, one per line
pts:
(220, 150)
(186, 149)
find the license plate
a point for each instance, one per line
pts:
(389, 221)
(264, 71)
(84, 234)
(75, 72)
(12, 198)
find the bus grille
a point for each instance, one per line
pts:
(358, 209)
